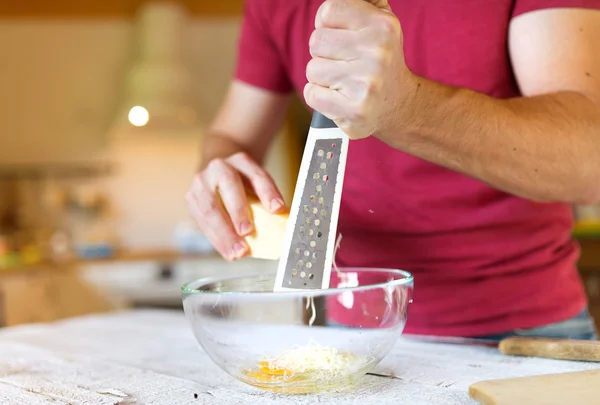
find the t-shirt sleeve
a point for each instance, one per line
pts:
(525, 6)
(259, 63)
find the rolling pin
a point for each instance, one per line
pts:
(560, 349)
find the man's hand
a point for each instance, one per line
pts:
(232, 151)
(543, 146)
(357, 76)
(217, 201)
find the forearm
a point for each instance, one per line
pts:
(217, 145)
(220, 145)
(543, 148)
(238, 128)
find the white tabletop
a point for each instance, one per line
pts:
(151, 357)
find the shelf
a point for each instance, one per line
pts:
(54, 170)
(589, 260)
(151, 255)
(109, 8)
(124, 256)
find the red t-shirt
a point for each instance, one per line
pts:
(484, 261)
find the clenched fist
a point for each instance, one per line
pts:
(357, 75)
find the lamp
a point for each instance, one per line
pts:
(157, 85)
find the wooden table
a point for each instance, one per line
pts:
(151, 357)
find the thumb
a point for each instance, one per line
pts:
(381, 4)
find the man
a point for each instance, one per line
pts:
(474, 125)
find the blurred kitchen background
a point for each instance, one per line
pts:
(103, 105)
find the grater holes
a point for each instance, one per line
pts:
(294, 272)
(303, 274)
(315, 209)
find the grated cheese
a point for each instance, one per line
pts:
(335, 249)
(313, 316)
(319, 362)
(311, 362)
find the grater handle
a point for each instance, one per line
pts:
(319, 121)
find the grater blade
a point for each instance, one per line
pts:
(307, 255)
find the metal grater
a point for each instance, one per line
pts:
(307, 255)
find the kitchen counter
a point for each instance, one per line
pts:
(151, 357)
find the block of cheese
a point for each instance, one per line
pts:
(579, 388)
(267, 239)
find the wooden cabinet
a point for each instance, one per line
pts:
(46, 294)
(589, 267)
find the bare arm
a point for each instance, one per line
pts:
(232, 156)
(246, 122)
(544, 146)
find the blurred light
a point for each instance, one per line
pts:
(158, 82)
(138, 116)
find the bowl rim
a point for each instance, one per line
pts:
(407, 279)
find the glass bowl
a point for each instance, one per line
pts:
(299, 342)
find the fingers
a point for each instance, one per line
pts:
(333, 43)
(217, 201)
(326, 72)
(207, 210)
(226, 181)
(262, 184)
(328, 102)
